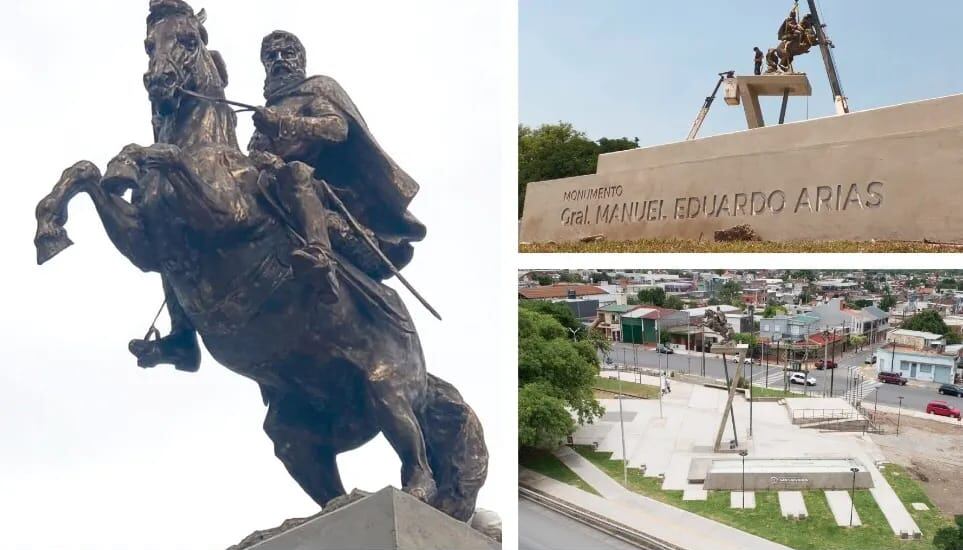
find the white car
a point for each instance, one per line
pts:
(747, 361)
(800, 378)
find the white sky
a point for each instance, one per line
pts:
(97, 453)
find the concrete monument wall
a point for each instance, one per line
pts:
(892, 173)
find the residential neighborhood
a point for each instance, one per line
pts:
(671, 372)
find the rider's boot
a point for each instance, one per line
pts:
(179, 349)
(314, 261)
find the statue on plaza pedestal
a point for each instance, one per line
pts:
(795, 38)
(277, 260)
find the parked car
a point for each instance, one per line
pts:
(801, 378)
(870, 360)
(891, 378)
(747, 361)
(829, 364)
(942, 408)
(663, 349)
(951, 389)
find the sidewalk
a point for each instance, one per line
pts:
(662, 521)
(887, 409)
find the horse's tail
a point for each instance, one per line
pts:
(456, 449)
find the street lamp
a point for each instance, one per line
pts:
(625, 460)
(898, 413)
(743, 454)
(852, 496)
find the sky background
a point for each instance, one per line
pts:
(96, 453)
(630, 68)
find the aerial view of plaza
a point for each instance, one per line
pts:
(740, 408)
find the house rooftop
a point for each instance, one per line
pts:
(559, 291)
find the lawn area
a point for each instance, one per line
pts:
(759, 391)
(547, 464)
(684, 245)
(817, 532)
(645, 391)
(909, 491)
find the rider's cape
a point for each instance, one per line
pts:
(373, 187)
(784, 31)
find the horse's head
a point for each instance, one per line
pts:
(179, 59)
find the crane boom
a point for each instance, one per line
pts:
(701, 117)
(825, 46)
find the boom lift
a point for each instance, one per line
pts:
(701, 117)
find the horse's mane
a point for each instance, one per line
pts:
(160, 9)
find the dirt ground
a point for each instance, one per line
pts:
(932, 452)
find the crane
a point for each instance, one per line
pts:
(825, 46)
(701, 117)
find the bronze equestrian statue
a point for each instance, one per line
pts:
(267, 258)
(795, 38)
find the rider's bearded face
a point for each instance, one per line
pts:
(283, 61)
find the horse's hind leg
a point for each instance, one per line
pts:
(392, 390)
(291, 423)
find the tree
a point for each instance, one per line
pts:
(950, 538)
(652, 296)
(544, 280)
(731, 293)
(554, 151)
(947, 283)
(887, 302)
(772, 310)
(543, 421)
(555, 379)
(930, 321)
(857, 340)
(559, 311)
(673, 302)
(598, 340)
(870, 286)
(569, 277)
(860, 304)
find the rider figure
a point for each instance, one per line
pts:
(790, 27)
(310, 129)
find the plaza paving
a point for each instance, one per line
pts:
(664, 444)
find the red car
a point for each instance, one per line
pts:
(829, 364)
(891, 378)
(942, 408)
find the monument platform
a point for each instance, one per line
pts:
(888, 174)
(386, 520)
(786, 474)
(748, 89)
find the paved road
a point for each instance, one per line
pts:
(543, 529)
(842, 380)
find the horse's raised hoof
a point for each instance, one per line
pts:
(422, 486)
(50, 244)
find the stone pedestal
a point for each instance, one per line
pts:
(747, 90)
(386, 520)
(889, 174)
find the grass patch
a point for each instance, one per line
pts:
(909, 491)
(817, 532)
(549, 465)
(644, 391)
(685, 245)
(759, 391)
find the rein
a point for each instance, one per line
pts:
(244, 106)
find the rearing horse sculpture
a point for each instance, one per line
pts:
(780, 58)
(333, 375)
